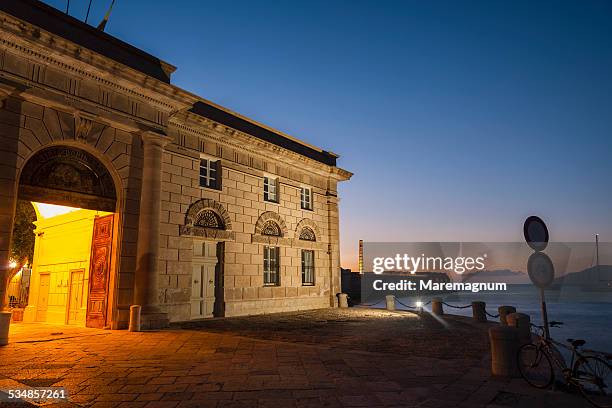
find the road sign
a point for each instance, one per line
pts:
(536, 233)
(541, 269)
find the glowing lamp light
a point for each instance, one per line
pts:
(419, 303)
(12, 264)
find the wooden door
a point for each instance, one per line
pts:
(43, 297)
(209, 288)
(197, 291)
(75, 299)
(99, 271)
(203, 279)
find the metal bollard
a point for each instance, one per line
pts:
(522, 323)
(436, 306)
(390, 302)
(503, 312)
(342, 300)
(479, 311)
(504, 346)
(5, 323)
(135, 318)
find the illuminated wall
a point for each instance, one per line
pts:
(61, 260)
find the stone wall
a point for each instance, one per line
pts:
(242, 199)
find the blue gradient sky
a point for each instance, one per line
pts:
(458, 118)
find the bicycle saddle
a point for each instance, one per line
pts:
(576, 343)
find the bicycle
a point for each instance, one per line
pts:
(590, 371)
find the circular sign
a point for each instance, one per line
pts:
(541, 269)
(536, 233)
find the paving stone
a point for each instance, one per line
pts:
(321, 358)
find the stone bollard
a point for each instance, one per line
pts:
(503, 312)
(522, 323)
(135, 318)
(436, 306)
(479, 311)
(5, 323)
(390, 302)
(342, 300)
(504, 346)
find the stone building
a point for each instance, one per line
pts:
(199, 211)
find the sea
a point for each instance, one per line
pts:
(585, 315)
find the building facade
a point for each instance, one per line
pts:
(206, 212)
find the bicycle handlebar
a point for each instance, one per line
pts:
(552, 323)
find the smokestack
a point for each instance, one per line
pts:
(361, 256)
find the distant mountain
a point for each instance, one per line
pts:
(499, 275)
(593, 276)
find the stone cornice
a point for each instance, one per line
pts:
(206, 128)
(155, 138)
(341, 174)
(30, 42)
(78, 106)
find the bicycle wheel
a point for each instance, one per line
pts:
(535, 366)
(594, 378)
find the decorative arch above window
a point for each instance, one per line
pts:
(307, 230)
(271, 224)
(208, 219)
(307, 234)
(271, 228)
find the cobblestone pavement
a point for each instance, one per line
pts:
(324, 358)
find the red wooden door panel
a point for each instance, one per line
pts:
(99, 270)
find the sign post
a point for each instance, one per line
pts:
(539, 266)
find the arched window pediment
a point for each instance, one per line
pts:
(207, 213)
(270, 224)
(307, 234)
(209, 219)
(307, 230)
(271, 228)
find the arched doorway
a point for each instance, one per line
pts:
(75, 198)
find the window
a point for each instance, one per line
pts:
(306, 198)
(209, 173)
(271, 275)
(270, 189)
(308, 270)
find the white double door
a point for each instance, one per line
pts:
(203, 279)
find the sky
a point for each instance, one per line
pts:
(458, 118)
